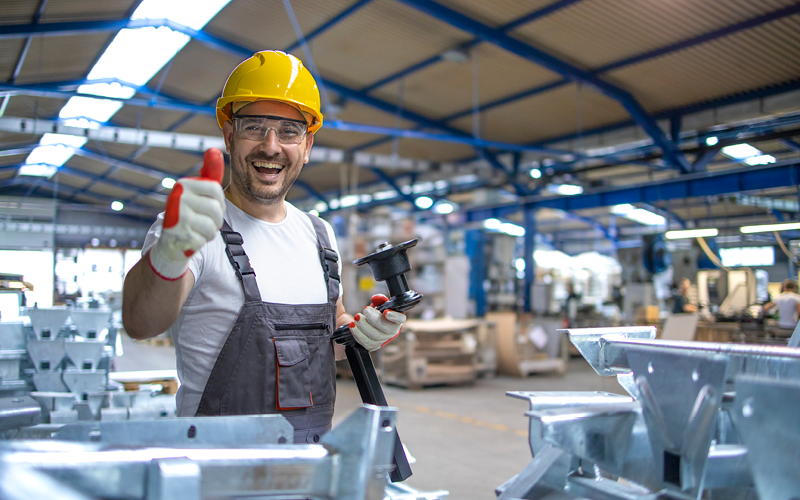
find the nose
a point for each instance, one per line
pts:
(270, 145)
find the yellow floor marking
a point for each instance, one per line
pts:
(521, 433)
(467, 420)
(445, 414)
(422, 409)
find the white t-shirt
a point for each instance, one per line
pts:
(787, 309)
(286, 261)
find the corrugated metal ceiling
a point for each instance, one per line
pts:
(384, 37)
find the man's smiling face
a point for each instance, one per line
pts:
(263, 171)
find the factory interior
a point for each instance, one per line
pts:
(587, 210)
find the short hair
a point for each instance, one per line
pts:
(789, 285)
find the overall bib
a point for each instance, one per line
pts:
(278, 358)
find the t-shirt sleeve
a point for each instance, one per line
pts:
(195, 261)
(335, 245)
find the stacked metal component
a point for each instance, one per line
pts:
(62, 359)
(703, 420)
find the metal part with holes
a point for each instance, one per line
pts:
(232, 432)
(703, 419)
(351, 462)
(47, 322)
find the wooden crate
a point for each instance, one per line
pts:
(438, 352)
(517, 355)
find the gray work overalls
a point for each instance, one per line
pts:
(278, 358)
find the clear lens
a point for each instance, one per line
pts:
(256, 129)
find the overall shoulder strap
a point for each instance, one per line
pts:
(328, 258)
(241, 264)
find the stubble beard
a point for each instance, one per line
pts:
(248, 184)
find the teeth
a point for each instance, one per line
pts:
(264, 164)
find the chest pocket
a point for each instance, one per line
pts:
(293, 374)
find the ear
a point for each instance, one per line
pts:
(309, 143)
(227, 134)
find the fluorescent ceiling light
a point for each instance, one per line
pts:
(748, 154)
(747, 256)
(691, 233)
(320, 207)
(168, 183)
(711, 141)
(789, 226)
(38, 170)
(349, 200)
(760, 160)
(639, 215)
(512, 229)
(365, 198)
(133, 56)
(384, 195)
(565, 189)
(422, 187)
(117, 206)
(441, 184)
(423, 202)
(740, 151)
(520, 264)
(536, 173)
(443, 208)
(492, 224)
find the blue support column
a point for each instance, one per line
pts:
(474, 243)
(530, 263)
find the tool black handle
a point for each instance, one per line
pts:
(369, 387)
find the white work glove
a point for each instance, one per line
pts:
(193, 216)
(374, 329)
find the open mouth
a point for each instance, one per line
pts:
(267, 168)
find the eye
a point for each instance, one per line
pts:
(290, 130)
(252, 126)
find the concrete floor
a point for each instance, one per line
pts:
(467, 440)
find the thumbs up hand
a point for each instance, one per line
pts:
(192, 218)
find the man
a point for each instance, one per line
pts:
(681, 298)
(788, 304)
(251, 308)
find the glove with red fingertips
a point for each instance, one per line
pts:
(374, 329)
(192, 217)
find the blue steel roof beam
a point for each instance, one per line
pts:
(775, 175)
(791, 144)
(52, 186)
(329, 24)
(702, 161)
(459, 137)
(737, 98)
(496, 37)
(393, 184)
(24, 52)
(644, 56)
(240, 51)
(310, 190)
(594, 224)
(537, 14)
(43, 91)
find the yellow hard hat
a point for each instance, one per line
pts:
(276, 76)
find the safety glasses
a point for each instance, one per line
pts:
(256, 128)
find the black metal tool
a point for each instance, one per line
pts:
(388, 264)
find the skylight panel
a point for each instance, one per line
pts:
(133, 56)
(55, 149)
(192, 13)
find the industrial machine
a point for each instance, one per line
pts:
(702, 420)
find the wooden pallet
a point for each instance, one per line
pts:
(160, 341)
